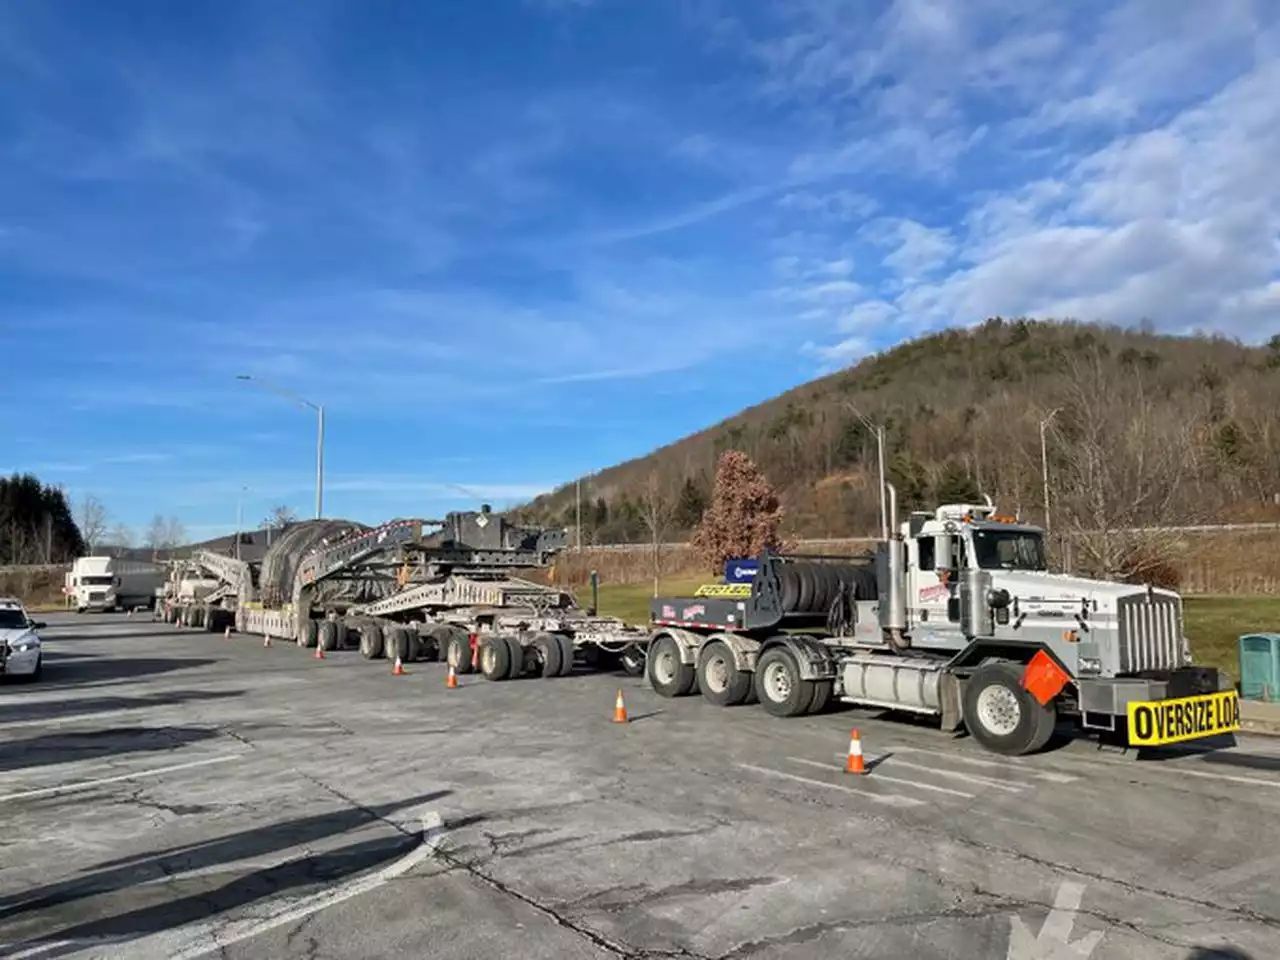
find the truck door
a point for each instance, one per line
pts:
(937, 586)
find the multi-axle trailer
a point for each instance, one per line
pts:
(955, 616)
(397, 592)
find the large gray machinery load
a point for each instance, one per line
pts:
(403, 594)
(956, 616)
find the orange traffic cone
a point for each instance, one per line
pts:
(452, 682)
(854, 763)
(398, 669)
(619, 710)
(319, 653)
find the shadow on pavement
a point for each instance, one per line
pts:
(54, 748)
(63, 709)
(1218, 953)
(257, 842)
(87, 671)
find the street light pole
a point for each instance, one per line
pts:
(240, 517)
(1044, 465)
(879, 431)
(319, 409)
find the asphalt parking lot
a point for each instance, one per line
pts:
(170, 793)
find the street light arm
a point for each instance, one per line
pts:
(281, 391)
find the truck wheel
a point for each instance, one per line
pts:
(371, 641)
(568, 653)
(309, 634)
(549, 655)
(433, 640)
(495, 658)
(211, 618)
(779, 686)
(632, 661)
(327, 635)
(517, 658)
(1000, 713)
(668, 674)
(719, 679)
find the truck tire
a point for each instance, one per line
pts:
(632, 660)
(790, 587)
(568, 654)
(210, 618)
(720, 681)
(327, 635)
(371, 641)
(433, 640)
(1002, 715)
(495, 658)
(778, 684)
(517, 658)
(668, 674)
(805, 574)
(550, 657)
(309, 634)
(822, 690)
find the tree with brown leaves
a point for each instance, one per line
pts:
(744, 514)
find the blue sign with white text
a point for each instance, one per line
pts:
(738, 570)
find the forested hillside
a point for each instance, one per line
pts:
(36, 525)
(1141, 430)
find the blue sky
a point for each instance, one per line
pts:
(510, 242)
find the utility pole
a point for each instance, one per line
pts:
(240, 517)
(879, 432)
(1044, 465)
(319, 410)
(578, 527)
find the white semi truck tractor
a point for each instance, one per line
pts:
(956, 615)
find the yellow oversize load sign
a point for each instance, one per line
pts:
(723, 590)
(1187, 718)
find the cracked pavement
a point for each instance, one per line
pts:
(173, 793)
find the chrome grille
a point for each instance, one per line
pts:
(1150, 633)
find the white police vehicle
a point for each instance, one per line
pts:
(20, 653)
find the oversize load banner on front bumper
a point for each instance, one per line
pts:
(1187, 718)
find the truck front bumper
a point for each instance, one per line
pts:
(1185, 704)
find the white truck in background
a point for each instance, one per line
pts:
(107, 583)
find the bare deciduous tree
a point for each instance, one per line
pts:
(657, 510)
(280, 517)
(93, 520)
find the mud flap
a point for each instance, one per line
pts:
(949, 691)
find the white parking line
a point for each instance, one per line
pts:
(132, 775)
(880, 776)
(889, 798)
(973, 778)
(1027, 770)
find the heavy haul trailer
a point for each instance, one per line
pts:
(398, 593)
(955, 615)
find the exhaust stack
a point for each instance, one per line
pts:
(892, 574)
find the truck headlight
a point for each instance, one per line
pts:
(1089, 665)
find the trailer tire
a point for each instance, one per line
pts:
(327, 635)
(396, 642)
(1002, 715)
(495, 658)
(371, 641)
(550, 654)
(668, 674)
(568, 654)
(778, 684)
(719, 678)
(517, 658)
(806, 575)
(458, 653)
(632, 660)
(210, 616)
(308, 633)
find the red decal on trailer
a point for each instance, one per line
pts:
(697, 610)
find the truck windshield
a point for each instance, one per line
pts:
(1009, 550)
(96, 581)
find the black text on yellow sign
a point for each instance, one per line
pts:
(1187, 718)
